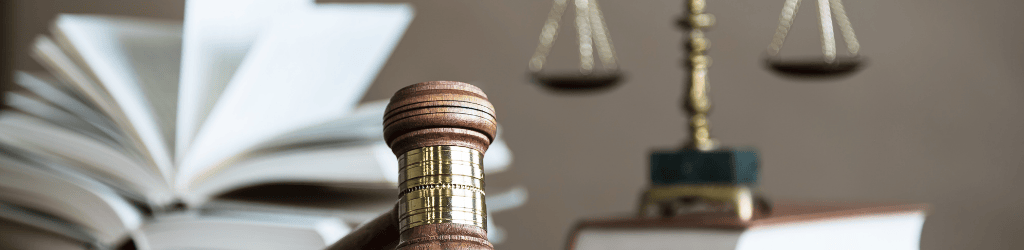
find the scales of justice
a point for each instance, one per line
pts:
(440, 131)
(702, 175)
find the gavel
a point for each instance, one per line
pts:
(439, 131)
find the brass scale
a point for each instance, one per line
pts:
(702, 176)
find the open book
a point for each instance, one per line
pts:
(138, 125)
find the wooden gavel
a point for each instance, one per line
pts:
(439, 131)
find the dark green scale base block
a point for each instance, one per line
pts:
(689, 166)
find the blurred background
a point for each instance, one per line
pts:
(934, 117)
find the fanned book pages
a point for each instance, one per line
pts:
(139, 128)
(26, 229)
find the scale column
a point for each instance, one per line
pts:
(700, 172)
(698, 102)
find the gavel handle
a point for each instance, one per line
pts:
(383, 233)
(379, 233)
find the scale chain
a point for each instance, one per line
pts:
(591, 31)
(583, 32)
(548, 34)
(828, 37)
(845, 27)
(826, 8)
(604, 45)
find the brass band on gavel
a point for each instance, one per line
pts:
(441, 184)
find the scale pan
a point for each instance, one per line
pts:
(577, 82)
(815, 67)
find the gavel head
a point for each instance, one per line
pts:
(439, 131)
(439, 113)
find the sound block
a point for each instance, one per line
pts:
(729, 166)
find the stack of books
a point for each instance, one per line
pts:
(790, 226)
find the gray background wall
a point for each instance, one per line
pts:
(935, 117)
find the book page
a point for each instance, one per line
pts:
(366, 163)
(224, 229)
(217, 36)
(876, 231)
(305, 69)
(44, 222)
(45, 86)
(365, 123)
(136, 61)
(34, 106)
(18, 235)
(37, 136)
(70, 196)
(48, 54)
(77, 81)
